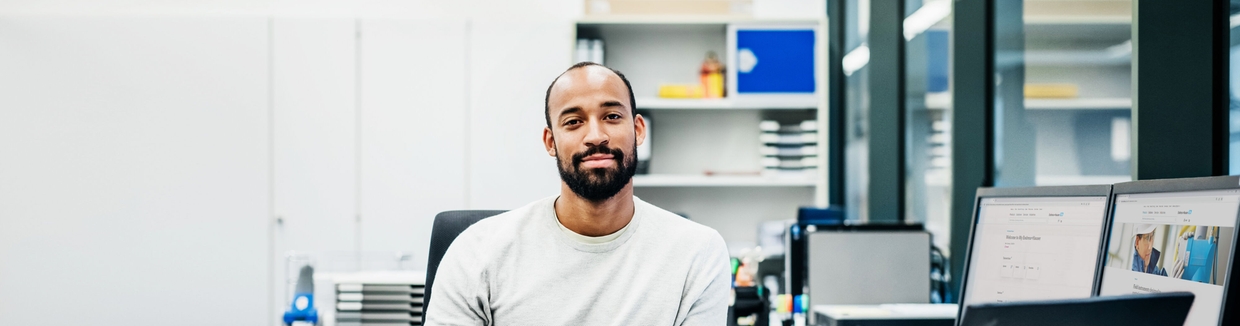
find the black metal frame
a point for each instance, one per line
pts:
(835, 103)
(972, 119)
(1180, 113)
(1061, 191)
(1230, 313)
(887, 111)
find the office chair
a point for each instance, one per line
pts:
(447, 226)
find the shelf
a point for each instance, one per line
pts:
(1104, 57)
(669, 19)
(1078, 12)
(1118, 103)
(654, 103)
(676, 180)
(1078, 20)
(939, 102)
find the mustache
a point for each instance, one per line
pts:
(602, 149)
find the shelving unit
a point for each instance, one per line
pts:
(1118, 103)
(689, 137)
(1068, 104)
(674, 180)
(655, 103)
(1087, 44)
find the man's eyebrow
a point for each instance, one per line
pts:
(612, 103)
(574, 109)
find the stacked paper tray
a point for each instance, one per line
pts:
(362, 304)
(789, 148)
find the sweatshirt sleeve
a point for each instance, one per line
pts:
(461, 292)
(710, 286)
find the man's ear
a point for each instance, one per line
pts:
(639, 127)
(549, 141)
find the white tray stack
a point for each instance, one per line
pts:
(379, 299)
(789, 149)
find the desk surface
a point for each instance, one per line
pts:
(888, 311)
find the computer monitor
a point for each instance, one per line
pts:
(1036, 243)
(868, 264)
(1175, 235)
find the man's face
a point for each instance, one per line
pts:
(593, 133)
(1145, 243)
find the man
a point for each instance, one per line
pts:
(1145, 257)
(594, 254)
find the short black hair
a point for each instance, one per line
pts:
(547, 99)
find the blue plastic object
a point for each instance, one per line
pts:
(302, 309)
(783, 61)
(1200, 260)
(938, 60)
(820, 215)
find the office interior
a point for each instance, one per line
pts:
(181, 161)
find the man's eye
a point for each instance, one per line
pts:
(613, 116)
(572, 122)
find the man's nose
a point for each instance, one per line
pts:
(595, 136)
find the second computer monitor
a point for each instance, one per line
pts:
(1175, 235)
(1034, 244)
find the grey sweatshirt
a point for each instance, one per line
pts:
(519, 268)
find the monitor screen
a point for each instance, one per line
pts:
(1176, 241)
(1035, 248)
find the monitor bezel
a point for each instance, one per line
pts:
(1047, 191)
(1226, 317)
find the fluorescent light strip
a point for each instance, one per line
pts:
(931, 13)
(856, 59)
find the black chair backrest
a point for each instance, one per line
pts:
(447, 226)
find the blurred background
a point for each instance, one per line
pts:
(177, 161)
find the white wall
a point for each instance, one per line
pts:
(148, 148)
(134, 170)
(509, 166)
(413, 141)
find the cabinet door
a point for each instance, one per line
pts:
(134, 170)
(315, 141)
(413, 138)
(511, 65)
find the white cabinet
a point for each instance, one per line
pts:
(314, 146)
(413, 82)
(134, 170)
(511, 64)
(145, 160)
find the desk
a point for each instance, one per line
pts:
(886, 314)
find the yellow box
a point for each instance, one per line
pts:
(681, 91)
(1051, 91)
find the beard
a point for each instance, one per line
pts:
(598, 184)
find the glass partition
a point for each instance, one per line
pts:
(1063, 92)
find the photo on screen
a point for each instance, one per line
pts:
(1186, 252)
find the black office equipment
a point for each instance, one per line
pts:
(750, 300)
(1161, 309)
(820, 215)
(448, 225)
(1036, 243)
(1175, 235)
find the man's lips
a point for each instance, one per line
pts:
(598, 161)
